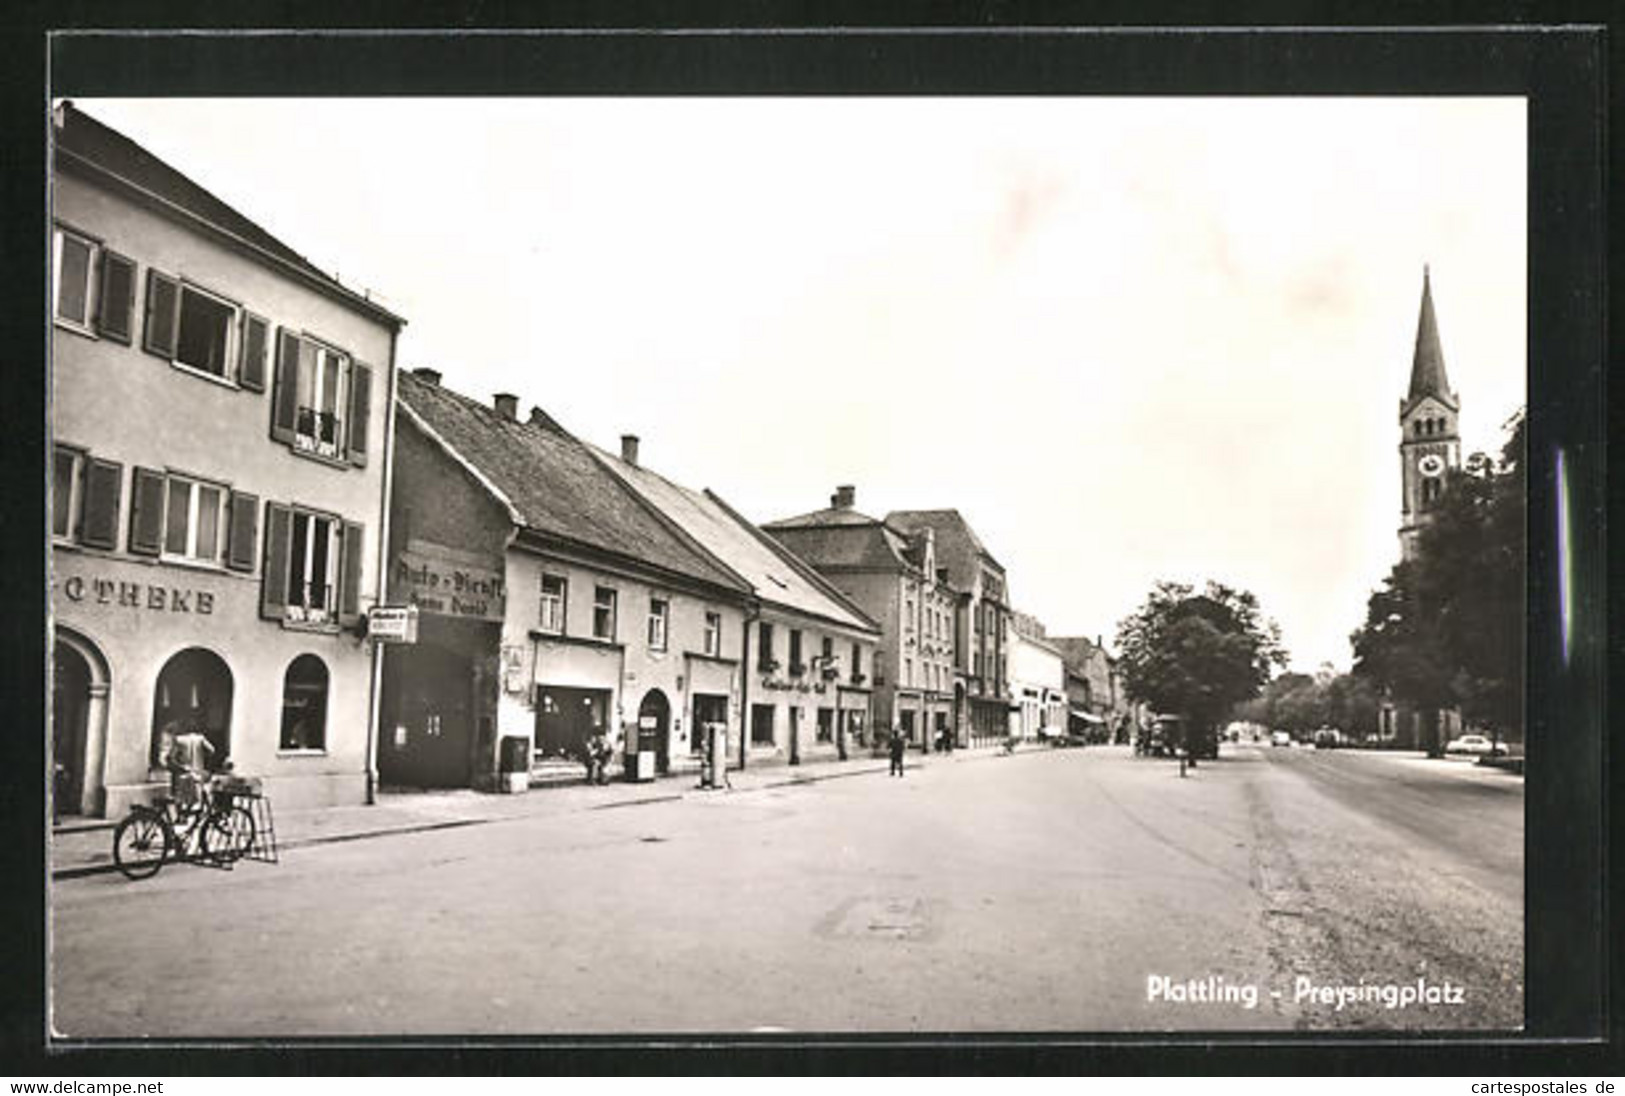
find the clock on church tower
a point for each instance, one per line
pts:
(1429, 444)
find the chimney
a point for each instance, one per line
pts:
(427, 375)
(507, 405)
(844, 496)
(629, 448)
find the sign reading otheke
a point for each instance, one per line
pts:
(393, 624)
(444, 580)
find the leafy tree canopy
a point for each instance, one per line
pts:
(1197, 654)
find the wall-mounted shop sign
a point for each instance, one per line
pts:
(784, 685)
(443, 580)
(137, 595)
(393, 624)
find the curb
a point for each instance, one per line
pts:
(78, 871)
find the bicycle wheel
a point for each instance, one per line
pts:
(141, 844)
(228, 835)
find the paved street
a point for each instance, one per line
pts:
(1037, 892)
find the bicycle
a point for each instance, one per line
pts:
(217, 830)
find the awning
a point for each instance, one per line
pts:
(1086, 716)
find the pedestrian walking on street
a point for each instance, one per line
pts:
(897, 747)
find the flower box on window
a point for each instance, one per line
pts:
(797, 669)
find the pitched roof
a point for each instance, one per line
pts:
(843, 538)
(957, 546)
(772, 571)
(1427, 364)
(553, 484)
(83, 139)
(1076, 651)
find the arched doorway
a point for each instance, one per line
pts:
(193, 694)
(79, 686)
(654, 728)
(70, 712)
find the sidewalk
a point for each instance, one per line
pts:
(85, 847)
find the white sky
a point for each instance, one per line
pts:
(1128, 339)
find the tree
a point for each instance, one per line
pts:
(1447, 628)
(1197, 655)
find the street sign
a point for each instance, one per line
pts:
(393, 624)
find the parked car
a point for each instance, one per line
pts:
(1328, 738)
(1475, 744)
(1280, 738)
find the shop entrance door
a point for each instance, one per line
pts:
(425, 740)
(70, 708)
(654, 728)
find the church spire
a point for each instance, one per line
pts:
(1427, 367)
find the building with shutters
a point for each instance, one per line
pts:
(220, 454)
(893, 576)
(809, 650)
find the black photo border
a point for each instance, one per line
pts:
(989, 51)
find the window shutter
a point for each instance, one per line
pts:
(350, 574)
(285, 394)
(256, 336)
(245, 515)
(274, 575)
(104, 480)
(360, 406)
(117, 297)
(163, 314)
(146, 512)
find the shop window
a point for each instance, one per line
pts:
(826, 724)
(659, 618)
(193, 695)
(603, 613)
(312, 572)
(761, 724)
(304, 705)
(713, 634)
(554, 591)
(321, 400)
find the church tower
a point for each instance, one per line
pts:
(1429, 443)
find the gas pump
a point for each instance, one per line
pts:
(714, 756)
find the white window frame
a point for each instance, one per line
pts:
(612, 603)
(558, 602)
(84, 326)
(326, 358)
(234, 323)
(713, 634)
(195, 486)
(298, 609)
(76, 493)
(659, 622)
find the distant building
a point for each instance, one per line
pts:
(1037, 681)
(553, 605)
(1094, 693)
(220, 427)
(981, 645)
(893, 576)
(809, 650)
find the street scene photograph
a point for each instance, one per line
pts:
(706, 567)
